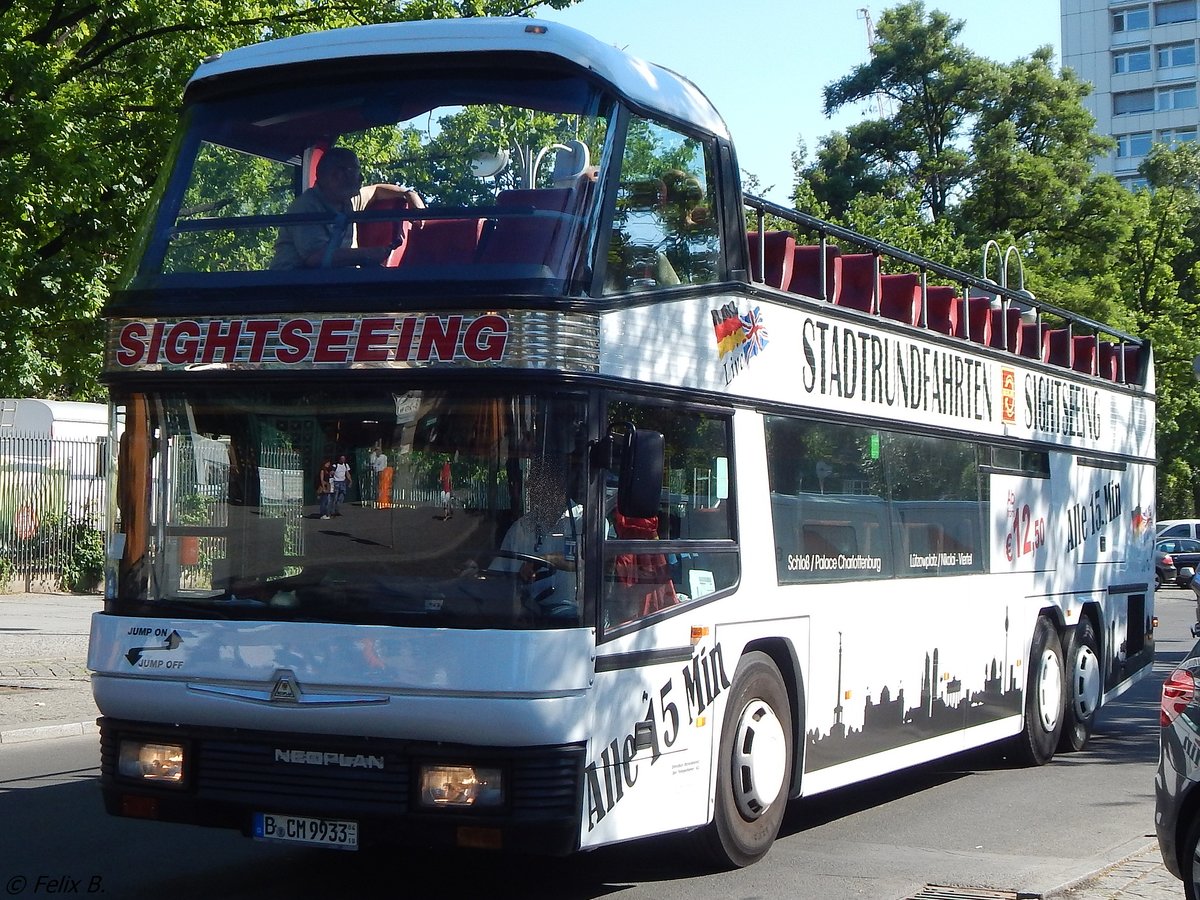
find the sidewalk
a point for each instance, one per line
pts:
(1140, 876)
(46, 692)
(45, 688)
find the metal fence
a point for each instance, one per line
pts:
(52, 506)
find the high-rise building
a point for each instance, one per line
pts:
(1141, 59)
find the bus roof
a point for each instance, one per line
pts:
(646, 84)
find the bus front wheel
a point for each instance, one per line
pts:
(755, 764)
(1044, 702)
(1084, 687)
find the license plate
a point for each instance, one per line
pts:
(335, 833)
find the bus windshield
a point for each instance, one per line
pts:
(424, 507)
(500, 168)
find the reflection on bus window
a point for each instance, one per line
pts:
(686, 552)
(504, 165)
(664, 232)
(851, 503)
(461, 510)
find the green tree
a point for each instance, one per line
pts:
(1031, 151)
(937, 86)
(1161, 264)
(1032, 185)
(899, 220)
(89, 93)
(838, 174)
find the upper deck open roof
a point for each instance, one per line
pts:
(649, 86)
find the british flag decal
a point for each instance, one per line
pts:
(756, 333)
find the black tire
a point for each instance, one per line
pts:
(1044, 689)
(1189, 865)
(1084, 687)
(755, 766)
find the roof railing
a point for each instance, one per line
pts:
(971, 307)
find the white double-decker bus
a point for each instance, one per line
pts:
(553, 499)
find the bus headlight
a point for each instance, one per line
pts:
(461, 786)
(160, 763)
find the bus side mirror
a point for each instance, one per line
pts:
(639, 490)
(639, 457)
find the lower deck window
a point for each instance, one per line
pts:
(851, 503)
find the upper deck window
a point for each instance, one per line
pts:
(503, 165)
(664, 229)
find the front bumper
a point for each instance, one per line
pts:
(230, 774)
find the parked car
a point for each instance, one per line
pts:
(1171, 557)
(1176, 817)
(1168, 528)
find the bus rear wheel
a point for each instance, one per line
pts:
(1044, 703)
(1084, 687)
(755, 765)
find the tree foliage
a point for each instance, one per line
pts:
(1161, 265)
(89, 93)
(936, 85)
(1031, 150)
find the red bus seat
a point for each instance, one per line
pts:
(1111, 355)
(900, 297)
(860, 282)
(442, 242)
(1057, 347)
(975, 319)
(528, 240)
(1031, 340)
(555, 199)
(385, 233)
(1086, 353)
(941, 308)
(806, 272)
(643, 579)
(1006, 318)
(777, 258)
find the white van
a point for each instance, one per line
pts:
(54, 457)
(1170, 528)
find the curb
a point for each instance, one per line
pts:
(47, 732)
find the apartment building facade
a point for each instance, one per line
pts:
(1141, 58)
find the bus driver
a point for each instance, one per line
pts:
(549, 532)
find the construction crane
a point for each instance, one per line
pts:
(883, 103)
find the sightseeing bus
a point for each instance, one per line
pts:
(660, 506)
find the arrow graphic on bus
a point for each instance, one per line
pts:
(172, 642)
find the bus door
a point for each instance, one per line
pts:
(660, 669)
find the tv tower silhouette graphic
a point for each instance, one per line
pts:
(839, 727)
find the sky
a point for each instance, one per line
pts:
(764, 65)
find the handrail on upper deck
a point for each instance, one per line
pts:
(1101, 351)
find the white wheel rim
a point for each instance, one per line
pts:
(759, 759)
(1049, 690)
(1085, 683)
